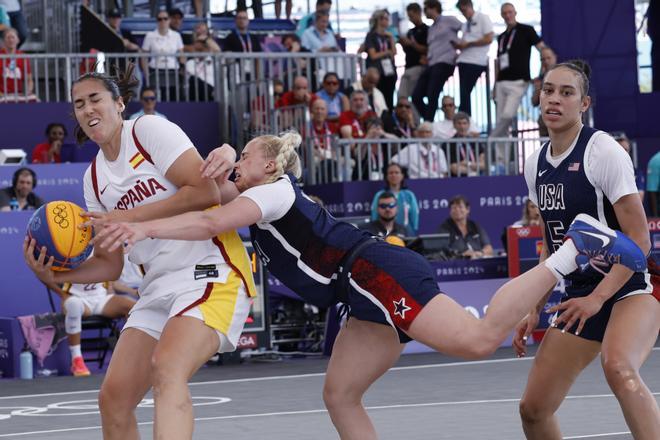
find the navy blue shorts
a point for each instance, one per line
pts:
(390, 285)
(594, 328)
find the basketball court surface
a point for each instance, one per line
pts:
(426, 396)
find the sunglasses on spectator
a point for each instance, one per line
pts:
(387, 205)
(148, 98)
(163, 18)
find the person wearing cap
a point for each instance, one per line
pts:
(114, 21)
(176, 24)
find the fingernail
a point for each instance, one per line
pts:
(577, 333)
(524, 338)
(563, 330)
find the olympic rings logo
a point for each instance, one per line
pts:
(59, 211)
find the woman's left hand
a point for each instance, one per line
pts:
(113, 236)
(99, 219)
(219, 163)
(576, 310)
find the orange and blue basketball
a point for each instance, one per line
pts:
(55, 226)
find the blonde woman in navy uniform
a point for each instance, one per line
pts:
(584, 171)
(391, 291)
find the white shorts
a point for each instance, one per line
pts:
(221, 306)
(95, 303)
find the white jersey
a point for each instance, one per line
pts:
(91, 292)
(149, 146)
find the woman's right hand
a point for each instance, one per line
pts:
(522, 332)
(41, 268)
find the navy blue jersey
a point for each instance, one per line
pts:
(303, 249)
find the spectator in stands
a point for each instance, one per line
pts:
(15, 73)
(352, 122)
(385, 223)
(640, 180)
(415, 46)
(323, 131)
(176, 25)
(288, 7)
(164, 69)
(400, 122)
(202, 40)
(308, 20)
(114, 21)
(148, 99)
(548, 60)
(20, 195)
(298, 66)
(201, 81)
(423, 160)
(473, 59)
(381, 49)
(16, 19)
(370, 157)
(407, 206)
(531, 216)
(445, 129)
(512, 76)
(466, 238)
(240, 39)
(653, 184)
(50, 151)
(441, 58)
(298, 96)
(465, 158)
(369, 83)
(336, 101)
(319, 38)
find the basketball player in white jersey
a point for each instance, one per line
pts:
(194, 297)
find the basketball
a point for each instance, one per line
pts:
(55, 225)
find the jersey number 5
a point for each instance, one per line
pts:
(556, 232)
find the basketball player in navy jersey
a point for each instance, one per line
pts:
(584, 171)
(392, 291)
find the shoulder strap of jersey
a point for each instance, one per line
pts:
(95, 182)
(138, 145)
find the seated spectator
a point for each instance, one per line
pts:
(400, 122)
(298, 66)
(407, 206)
(240, 39)
(640, 180)
(531, 216)
(15, 73)
(445, 129)
(202, 40)
(148, 100)
(653, 184)
(423, 160)
(466, 238)
(319, 38)
(50, 151)
(308, 20)
(385, 224)
(298, 96)
(368, 83)
(322, 134)
(114, 21)
(163, 68)
(336, 101)
(201, 81)
(20, 196)
(351, 122)
(370, 158)
(465, 158)
(80, 301)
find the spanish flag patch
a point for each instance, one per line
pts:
(137, 160)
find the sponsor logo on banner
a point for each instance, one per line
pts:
(247, 340)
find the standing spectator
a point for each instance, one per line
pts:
(512, 76)
(16, 18)
(322, 133)
(381, 49)
(465, 158)
(441, 59)
(640, 180)
(278, 8)
(407, 206)
(114, 21)
(298, 96)
(415, 46)
(20, 196)
(351, 122)
(385, 224)
(240, 39)
(148, 99)
(445, 129)
(473, 59)
(400, 122)
(176, 25)
(336, 101)
(548, 60)
(51, 150)
(369, 83)
(15, 73)
(653, 184)
(319, 38)
(423, 160)
(201, 81)
(163, 42)
(466, 237)
(202, 40)
(308, 20)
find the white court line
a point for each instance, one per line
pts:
(301, 376)
(319, 411)
(605, 434)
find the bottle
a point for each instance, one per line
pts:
(13, 204)
(26, 363)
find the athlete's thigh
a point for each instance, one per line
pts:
(632, 329)
(362, 352)
(117, 306)
(558, 362)
(129, 372)
(185, 345)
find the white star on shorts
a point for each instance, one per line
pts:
(400, 308)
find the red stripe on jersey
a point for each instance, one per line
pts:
(220, 246)
(134, 156)
(95, 182)
(139, 146)
(207, 293)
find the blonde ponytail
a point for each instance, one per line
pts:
(282, 149)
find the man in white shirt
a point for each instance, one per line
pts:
(368, 84)
(423, 160)
(445, 129)
(473, 59)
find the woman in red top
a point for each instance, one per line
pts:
(50, 152)
(14, 72)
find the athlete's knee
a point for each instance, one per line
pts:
(166, 371)
(336, 396)
(115, 400)
(73, 310)
(532, 411)
(621, 375)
